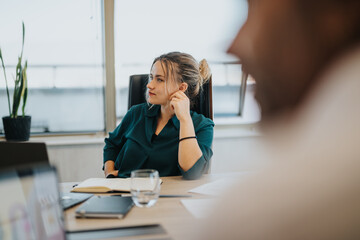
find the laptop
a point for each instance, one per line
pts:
(31, 209)
(20, 154)
(69, 200)
(16, 154)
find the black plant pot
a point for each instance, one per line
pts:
(17, 129)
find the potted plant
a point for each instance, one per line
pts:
(17, 127)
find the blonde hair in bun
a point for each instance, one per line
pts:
(205, 71)
(184, 68)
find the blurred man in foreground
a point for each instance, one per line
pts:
(305, 58)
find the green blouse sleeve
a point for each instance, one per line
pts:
(204, 134)
(116, 139)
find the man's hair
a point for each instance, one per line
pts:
(350, 9)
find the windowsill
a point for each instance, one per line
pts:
(231, 121)
(64, 140)
(83, 139)
(233, 127)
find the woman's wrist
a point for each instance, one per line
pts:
(184, 138)
(185, 119)
(109, 167)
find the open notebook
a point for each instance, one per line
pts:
(104, 185)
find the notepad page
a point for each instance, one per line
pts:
(121, 184)
(115, 184)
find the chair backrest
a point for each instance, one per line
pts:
(203, 101)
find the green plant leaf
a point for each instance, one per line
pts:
(7, 88)
(25, 89)
(17, 71)
(20, 80)
(18, 88)
(23, 40)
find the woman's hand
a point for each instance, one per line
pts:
(115, 173)
(109, 168)
(181, 105)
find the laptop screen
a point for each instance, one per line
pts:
(30, 204)
(16, 154)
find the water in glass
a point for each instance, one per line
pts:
(145, 187)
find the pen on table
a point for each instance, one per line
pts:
(174, 195)
(164, 195)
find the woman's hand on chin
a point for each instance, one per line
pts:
(181, 105)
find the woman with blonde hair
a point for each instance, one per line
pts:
(164, 134)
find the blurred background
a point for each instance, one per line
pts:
(65, 49)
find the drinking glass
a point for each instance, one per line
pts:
(145, 187)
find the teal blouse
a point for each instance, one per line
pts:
(134, 145)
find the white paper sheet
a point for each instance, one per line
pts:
(199, 208)
(217, 187)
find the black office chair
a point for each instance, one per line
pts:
(203, 101)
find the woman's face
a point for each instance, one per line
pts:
(160, 88)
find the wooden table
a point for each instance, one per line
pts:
(169, 212)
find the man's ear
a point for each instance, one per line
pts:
(183, 86)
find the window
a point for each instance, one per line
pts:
(146, 29)
(63, 46)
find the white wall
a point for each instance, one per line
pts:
(77, 162)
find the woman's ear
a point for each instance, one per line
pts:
(183, 86)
